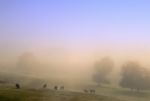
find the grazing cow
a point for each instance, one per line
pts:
(62, 88)
(92, 91)
(86, 91)
(17, 86)
(55, 87)
(45, 86)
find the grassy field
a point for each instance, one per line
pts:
(11, 94)
(124, 94)
(102, 94)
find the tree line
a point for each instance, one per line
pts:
(133, 75)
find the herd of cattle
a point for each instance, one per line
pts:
(91, 91)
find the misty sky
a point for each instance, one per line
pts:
(75, 28)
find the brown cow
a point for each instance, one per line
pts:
(45, 86)
(55, 87)
(17, 86)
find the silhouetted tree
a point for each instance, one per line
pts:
(103, 69)
(135, 77)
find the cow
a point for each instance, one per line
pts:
(86, 91)
(45, 86)
(17, 86)
(92, 91)
(62, 88)
(55, 87)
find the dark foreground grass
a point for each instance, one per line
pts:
(49, 95)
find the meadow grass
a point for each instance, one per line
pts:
(11, 94)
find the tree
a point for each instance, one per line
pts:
(27, 63)
(102, 70)
(135, 77)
